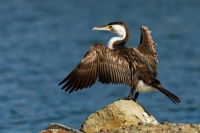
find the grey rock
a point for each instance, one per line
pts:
(59, 128)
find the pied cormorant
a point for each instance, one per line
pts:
(118, 64)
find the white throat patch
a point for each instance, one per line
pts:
(120, 31)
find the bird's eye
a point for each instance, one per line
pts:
(110, 27)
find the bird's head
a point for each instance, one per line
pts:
(116, 27)
(120, 29)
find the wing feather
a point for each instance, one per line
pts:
(147, 47)
(99, 62)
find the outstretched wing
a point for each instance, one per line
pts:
(99, 62)
(147, 46)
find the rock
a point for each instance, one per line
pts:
(141, 128)
(55, 131)
(118, 114)
(124, 116)
(59, 128)
(160, 128)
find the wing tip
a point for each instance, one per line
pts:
(60, 83)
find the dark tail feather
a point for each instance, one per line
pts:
(171, 96)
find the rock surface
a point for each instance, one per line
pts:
(59, 128)
(124, 116)
(160, 128)
(118, 114)
(140, 128)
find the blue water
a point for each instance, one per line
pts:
(42, 41)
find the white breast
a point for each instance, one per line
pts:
(142, 87)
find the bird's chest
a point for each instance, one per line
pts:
(142, 87)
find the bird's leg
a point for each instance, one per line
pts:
(130, 96)
(136, 96)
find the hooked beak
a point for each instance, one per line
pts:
(106, 28)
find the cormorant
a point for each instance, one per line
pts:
(118, 64)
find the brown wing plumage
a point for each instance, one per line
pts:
(99, 62)
(147, 46)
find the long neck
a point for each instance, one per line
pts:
(116, 41)
(121, 39)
